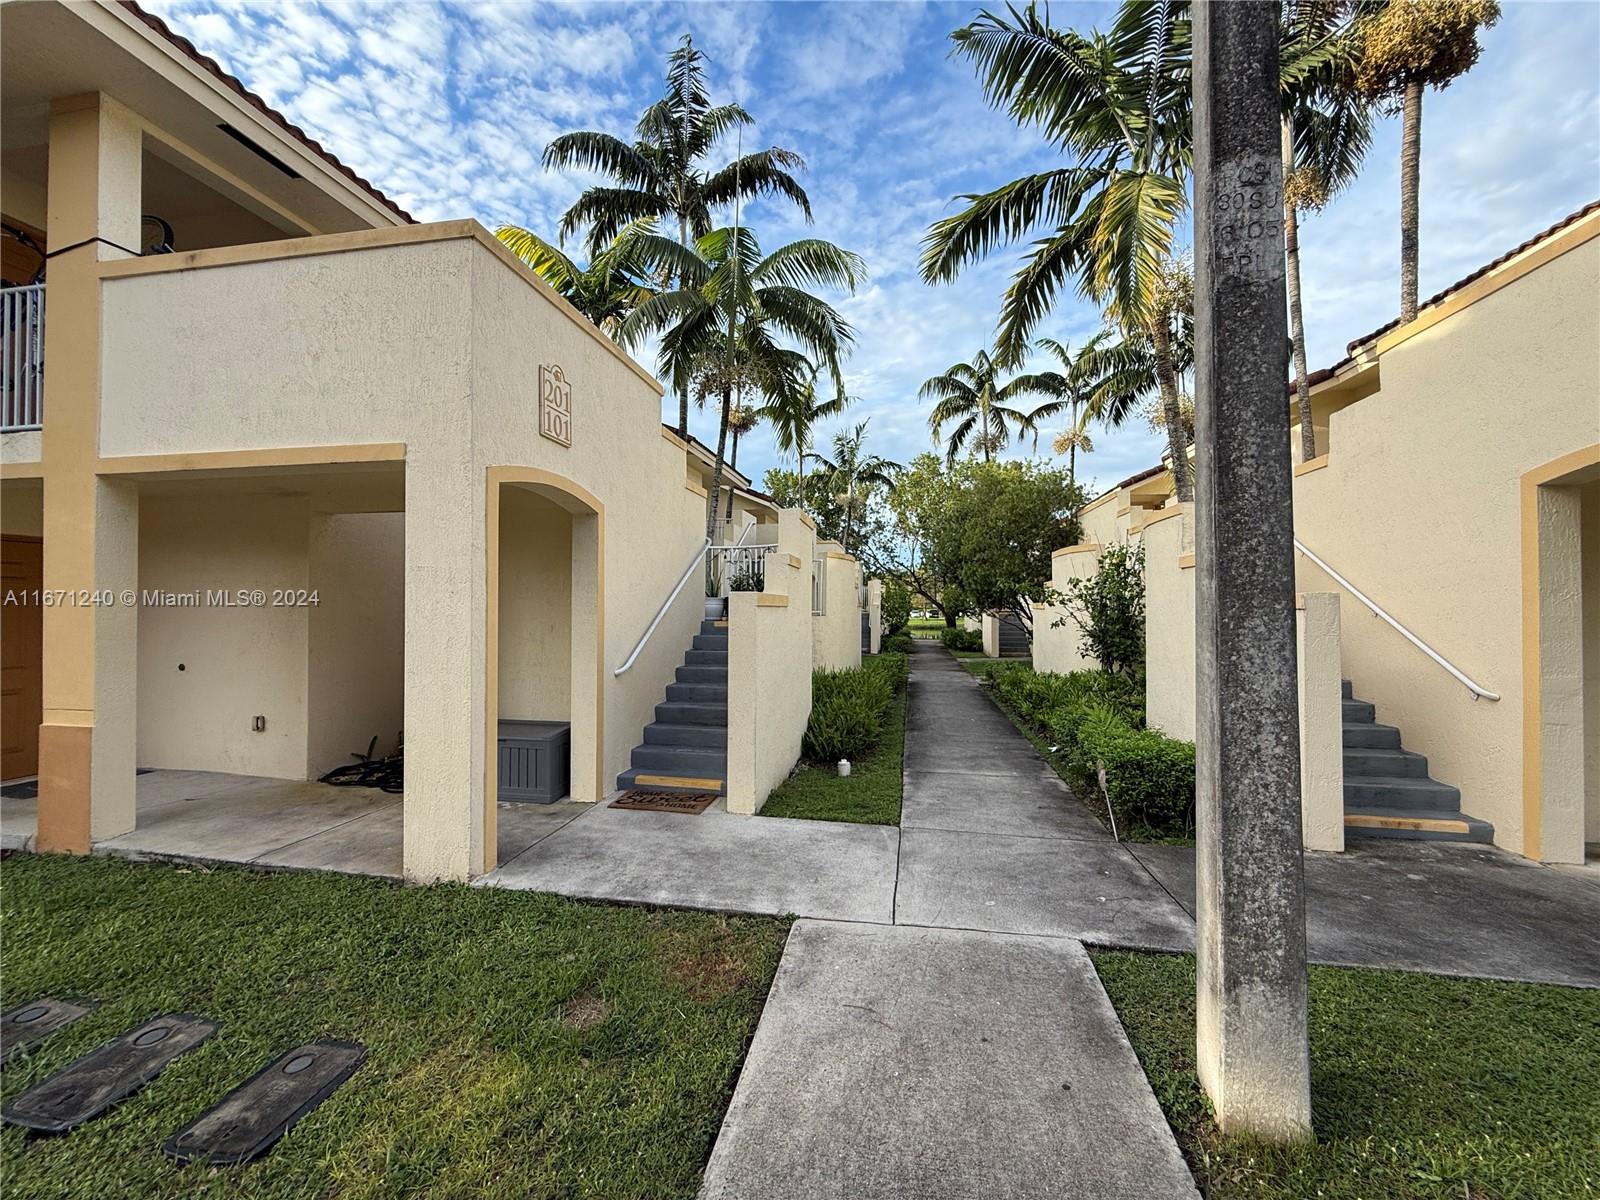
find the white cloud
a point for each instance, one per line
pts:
(448, 108)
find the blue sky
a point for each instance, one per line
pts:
(448, 107)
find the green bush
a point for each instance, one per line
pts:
(847, 707)
(896, 607)
(1094, 718)
(961, 639)
(899, 643)
(1149, 776)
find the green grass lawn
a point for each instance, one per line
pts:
(519, 1045)
(1423, 1088)
(870, 796)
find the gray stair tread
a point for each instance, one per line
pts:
(1367, 762)
(662, 733)
(1477, 830)
(685, 760)
(629, 779)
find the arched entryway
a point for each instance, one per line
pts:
(545, 635)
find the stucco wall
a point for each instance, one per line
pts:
(1591, 661)
(1169, 625)
(769, 701)
(535, 608)
(1321, 721)
(1419, 506)
(837, 642)
(236, 662)
(1057, 639)
(355, 637)
(434, 344)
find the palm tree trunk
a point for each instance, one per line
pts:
(1167, 380)
(983, 427)
(716, 470)
(1410, 166)
(734, 463)
(683, 384)
(1297, 325)
(1072, 450)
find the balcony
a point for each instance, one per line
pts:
(21, 358)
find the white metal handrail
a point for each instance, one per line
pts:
(1471, 686)
(697, 562)
(21, 358)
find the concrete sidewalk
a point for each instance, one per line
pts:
(991, 838)
(940, 1065)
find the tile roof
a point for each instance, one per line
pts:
(1565, 222)
(211, 65)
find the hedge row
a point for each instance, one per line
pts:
(961, 639)
(848, 707)
(1097, 719)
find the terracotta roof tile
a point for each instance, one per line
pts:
(211, 65)
(1572, 219)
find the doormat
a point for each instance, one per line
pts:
(87, 1087)
(28, 1025)
(245, 1123)
(691, 803)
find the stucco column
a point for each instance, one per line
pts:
(445, 668)
(87, 738)
(1250, 905)
(1559, 686)
(588, 657)
(874, 615)
(1321, 722)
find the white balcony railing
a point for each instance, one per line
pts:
(21, 358)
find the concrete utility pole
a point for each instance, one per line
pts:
(1250, 937)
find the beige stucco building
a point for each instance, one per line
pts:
(321, 474)
(1454, 511)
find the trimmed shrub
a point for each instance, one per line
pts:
(899, 643)
(1094, 718)
(961, 639)
(896, 607)
(847, 707)
(1149, 776)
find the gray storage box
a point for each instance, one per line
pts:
(535, 761)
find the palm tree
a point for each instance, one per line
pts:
(1115, 105)
(971, 395)
(732, 305)
(795, 414)
(1326, 130)
(1073, 388)
(616, 281)
(661, 173)
(852, 475)
(741, 420)
(1118, 105)
(1408, 45)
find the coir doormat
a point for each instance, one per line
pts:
(692, 803)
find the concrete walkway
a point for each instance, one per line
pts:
(942, 1065)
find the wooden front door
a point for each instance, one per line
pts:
(21, 655)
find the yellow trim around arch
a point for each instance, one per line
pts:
(1532, 660)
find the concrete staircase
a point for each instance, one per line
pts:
(686, 748)
(1387, 789)
(1014, 640)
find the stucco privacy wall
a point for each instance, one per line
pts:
(1591, 661)
(535, 607)
(1419, 507)
(1169, 603)
(355, 669)
(769, 701)
(1057, 640)
(837, 642)
(434, 344)
(196, 696)
(1170, 672)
